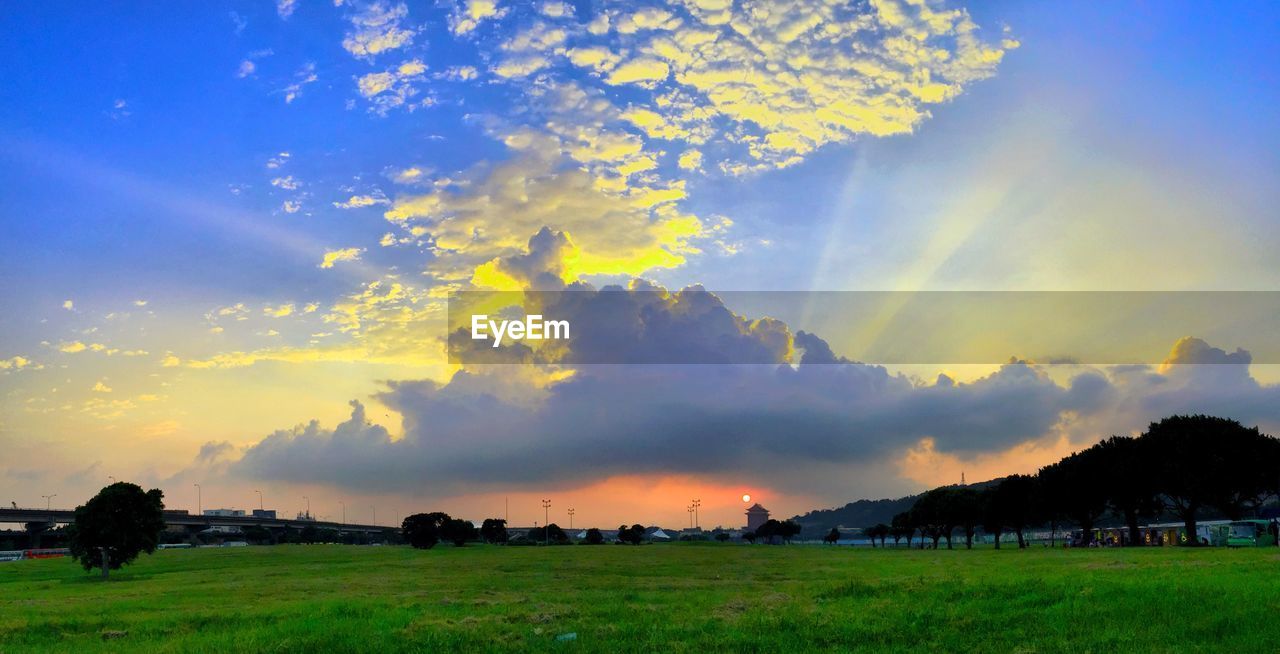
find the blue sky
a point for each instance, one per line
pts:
(175, 176)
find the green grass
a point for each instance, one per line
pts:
(692, 598)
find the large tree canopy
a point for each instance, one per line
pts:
(119, 523)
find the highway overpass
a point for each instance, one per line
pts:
(184, 519)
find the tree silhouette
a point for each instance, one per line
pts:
(422, 530)
(1130, 487)
(116, 525)
(494, 530)
(1203, 461)
(1077, 488)
(458, 531)
(901, 527)
(633, 535)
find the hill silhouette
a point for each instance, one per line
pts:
(862, 513)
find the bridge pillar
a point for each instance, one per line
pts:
(34, 531)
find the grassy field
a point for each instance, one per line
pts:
(698, 597)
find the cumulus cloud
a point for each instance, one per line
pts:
(333, 257)
(561, 423)
(777, 420)
(469, 14)
(765, 83)
(17, 363)
(491, 212)
(395, 87)
(377, 28)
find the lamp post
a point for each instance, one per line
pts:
(690, 510)
(696, 521)
(373, 511)
(308, 501)
(546, 531)
(48, 501)
(261, 507)
(199, 500)
(570, 519)
(344, 512)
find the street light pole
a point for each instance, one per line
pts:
(571, 519)
(308, 501)
(690, 510)
(261, 506)
(374, 512)
(546, 524)
(48, 501)
(344, 512)
(696, 521)
(199, 499)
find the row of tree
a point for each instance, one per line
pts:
(773, 531)
(426, 530)
(1182, 466)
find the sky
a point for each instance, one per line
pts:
(228, 231)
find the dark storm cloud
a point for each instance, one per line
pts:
(775, 420)
(507, 426)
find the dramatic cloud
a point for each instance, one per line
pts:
(765, 83)
(491, 212)
(505, 426)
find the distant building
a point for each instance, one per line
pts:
(225, 513)
(756, 516)
(265, 513)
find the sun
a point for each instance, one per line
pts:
(746, 497)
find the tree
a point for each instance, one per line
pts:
(116, 525)
(934, 517)
(458, 531)
(633, 535)
(992, 515)
(594, 537)
(901, 527)
(878, 530)
(963, 509)
(1077, 489)
(1201, 461)
(552, 533)
(722, 537)
(788, 530)
(1130, 490)
(494, 530)
(422, 530)
(1249, 474)
(258, 535)
(924, 516)
(1015, 503)
(832, 536)
(309, 535)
